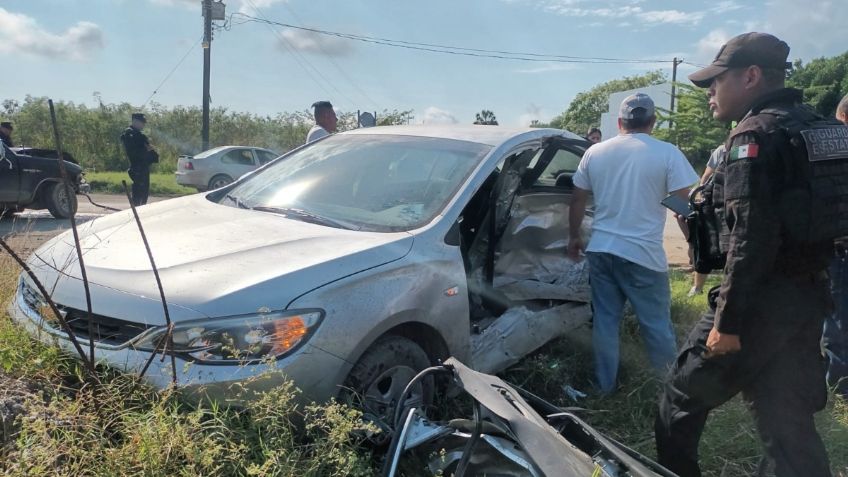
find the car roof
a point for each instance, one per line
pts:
(490, 135)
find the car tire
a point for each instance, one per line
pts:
(219, 181)
(377, 380)
(60, 204)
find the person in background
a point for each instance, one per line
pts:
(715, 158)
(629, 174)
(325, 121)
(139, 153)
(761, 335)
(594, 135)
(6, 133)
(835, 337)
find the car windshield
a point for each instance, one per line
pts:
(378, 183)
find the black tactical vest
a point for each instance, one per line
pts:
(814, 198)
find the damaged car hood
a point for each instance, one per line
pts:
(218, 252)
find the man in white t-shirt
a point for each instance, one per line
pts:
(325, 121)
(629, 175)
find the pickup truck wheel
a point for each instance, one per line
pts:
(219, 181)
(60, 204)
(376, 382)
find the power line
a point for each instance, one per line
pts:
(456, 50)
(335, 64)
(168, 76)
(296, 54)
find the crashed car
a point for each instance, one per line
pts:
(347, 266)
(512, 432)
(30, 179)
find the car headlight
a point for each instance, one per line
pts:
(238, 339)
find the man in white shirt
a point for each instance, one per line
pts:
(629, 175)
(325, 121)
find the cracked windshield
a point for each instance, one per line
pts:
(357, 238)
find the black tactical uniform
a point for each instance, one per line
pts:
(135, 145)
(774, 296)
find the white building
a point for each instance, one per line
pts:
(660, 93)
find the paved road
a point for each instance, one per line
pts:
(29, 229)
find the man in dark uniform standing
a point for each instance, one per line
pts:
(761, 335)
(140, 154)
(6, 133)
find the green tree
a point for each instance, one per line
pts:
(586, 108)
(486, 117)
(393, 117)
(694, 131)
(824, 81)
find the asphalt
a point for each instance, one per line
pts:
(27, 230)
(32, 227)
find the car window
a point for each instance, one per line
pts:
(265, 156)
(242, 157)
(563, 162)
(379, 183)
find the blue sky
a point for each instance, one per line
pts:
(123, 49)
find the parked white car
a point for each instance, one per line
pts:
(349, 264)
(220, 166)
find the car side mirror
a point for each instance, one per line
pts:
(454, 237)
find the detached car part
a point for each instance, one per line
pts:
(512, 433)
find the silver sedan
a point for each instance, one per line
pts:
(347, 265)
(220, 166)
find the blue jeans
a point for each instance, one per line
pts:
(614, 280)
(835, 337)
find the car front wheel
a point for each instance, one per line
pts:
(376, 382)
(61, 201)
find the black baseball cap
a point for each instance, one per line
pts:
(6, 124)
(747, 49)
(139, 117)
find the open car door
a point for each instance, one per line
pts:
(524, 289)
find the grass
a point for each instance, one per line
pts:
(137, 431)
(162, 184)
(730, 444)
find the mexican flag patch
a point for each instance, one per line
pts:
(748, 151)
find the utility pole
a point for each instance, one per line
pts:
(207, 57)
(673, 90)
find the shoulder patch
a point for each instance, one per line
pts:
(827, 143)
(745, 151)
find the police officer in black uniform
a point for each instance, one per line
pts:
(6, 133)
(141, 155)
(761, 334)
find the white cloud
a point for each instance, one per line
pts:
(22, 34)
(671, 16)
(434, 115)
(316, 43)
(632, 10)
(725, 6)
(550, 67)
(816, 30)
(708, 46)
